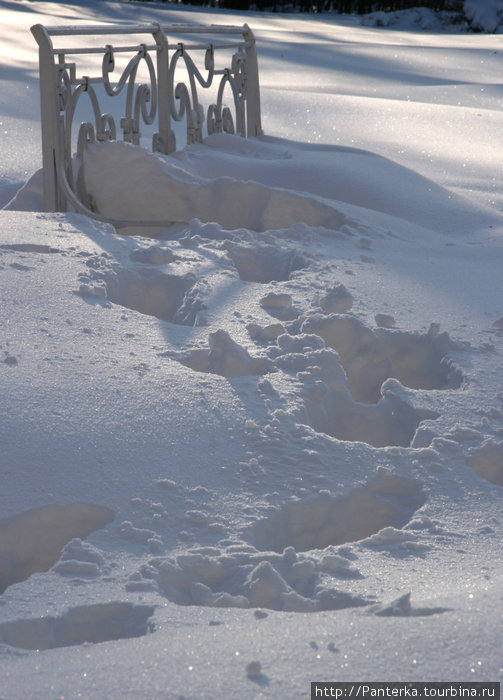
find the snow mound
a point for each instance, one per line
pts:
(152, 187)
(337, 300)
(402, 607)
(478, 15)
(153, 255)
(262, 184)
(241, 577)
(224, 357)
(413, 19)
(80, 558)
(279, 305)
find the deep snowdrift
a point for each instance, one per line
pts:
(265, 447)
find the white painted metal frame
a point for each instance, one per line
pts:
(159, 102)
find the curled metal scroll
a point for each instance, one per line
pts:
(184, 100)
(140, 106)
(185, 103)
(219, 117)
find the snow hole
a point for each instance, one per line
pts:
(328, 405)
(31, 542)
(102, 622)
(153, 255)
(390, 422)
(417, 360)
(277, 567)
(154, 293)
(264, 263)
(387, 500)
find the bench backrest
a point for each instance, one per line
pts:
(135, 70)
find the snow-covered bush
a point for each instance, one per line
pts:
(475, 15)
(484, 15)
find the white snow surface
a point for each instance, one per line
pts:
(265, 447)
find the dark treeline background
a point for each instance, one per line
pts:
(344, 6)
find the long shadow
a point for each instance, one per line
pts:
(359, 59)
(339, 57)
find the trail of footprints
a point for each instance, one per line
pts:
(348, 375)
(350, 383)
(296, 558)
(350, 378)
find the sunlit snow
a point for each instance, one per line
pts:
(265, 447)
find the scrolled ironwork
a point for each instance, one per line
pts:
(185, 103)
(140, 104)
(85, 132)
(219, 116)
(107, 130)
(158, 100)
(138, 97)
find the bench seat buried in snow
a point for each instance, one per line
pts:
(140, 84)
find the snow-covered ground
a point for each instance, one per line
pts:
(266, 448)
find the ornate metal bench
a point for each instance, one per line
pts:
(151, 81)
